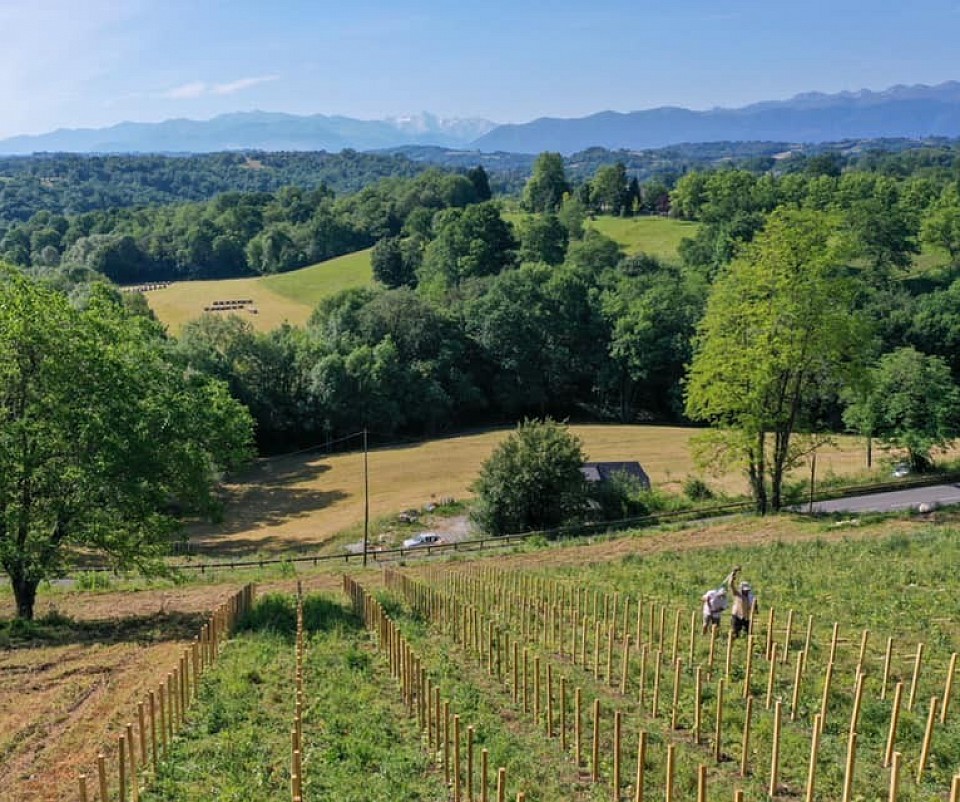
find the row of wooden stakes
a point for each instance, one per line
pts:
(162, 713)
(296, 734)
(443, 731)
(470, 632)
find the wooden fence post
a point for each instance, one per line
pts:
(102, 776)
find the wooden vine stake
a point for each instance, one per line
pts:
(675, 706)
(771, 674)
(788, 633)
(775, 750)
(470, 732)
(641, 765)
(797, 679)
(955, 789)
(748, 667)
(578, 726)
(718, 730)
(916, 677)
(848, 770)
(745, 745)
(894, 719)
(625, 665)
(501, 785)
(948, 688)
(812, 765)
(82, 781)
(671, 770)
(595, 746)
(701, 783)
(484, 775)
(697, 704)
(825, 699)
(896, 765)
(617, 738)
(656, 685)
(887, 657)
(927, 737)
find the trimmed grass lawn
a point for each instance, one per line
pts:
(284, 298)
(657, 236)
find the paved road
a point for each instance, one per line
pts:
(895, 500)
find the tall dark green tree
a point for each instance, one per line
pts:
(547, 185)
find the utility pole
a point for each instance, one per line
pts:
(366, 498)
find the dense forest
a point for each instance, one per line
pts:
(478, 318)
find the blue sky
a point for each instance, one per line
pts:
(81, 63)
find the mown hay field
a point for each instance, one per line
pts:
(302, 501)
(284, 298)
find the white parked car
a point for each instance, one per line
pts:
(423, 539)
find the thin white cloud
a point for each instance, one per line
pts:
(186, 91)
(198, 89)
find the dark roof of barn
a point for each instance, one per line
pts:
(603, 471)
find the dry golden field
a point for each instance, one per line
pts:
(304, 500)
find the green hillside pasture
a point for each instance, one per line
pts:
(657, 236)
(284, 298)
(359, 745)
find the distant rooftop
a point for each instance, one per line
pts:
(603, 471)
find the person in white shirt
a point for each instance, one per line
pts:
(714, 603)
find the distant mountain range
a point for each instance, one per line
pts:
(901, 111)
(255, 130)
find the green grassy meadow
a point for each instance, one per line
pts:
(657, 236)
(283, 298)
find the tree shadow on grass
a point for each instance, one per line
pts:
(277, 612)
(58, 630)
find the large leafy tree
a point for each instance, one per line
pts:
(779, 332)
(532, 480)
(547, 185)
(100, 436)
(910, 403)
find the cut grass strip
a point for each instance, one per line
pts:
(359, 746)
